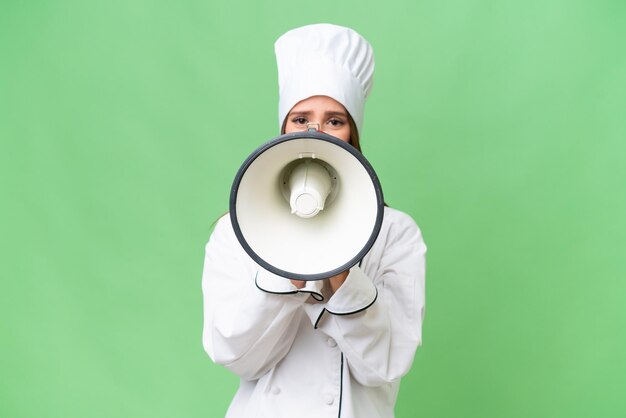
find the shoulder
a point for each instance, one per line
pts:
(223, 223)
(399, 247)
(399, 228)
(223, 243)
(399, 221)
(223, 232)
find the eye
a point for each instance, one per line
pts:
(299, 120)
(336, 123)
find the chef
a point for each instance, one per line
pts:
(327, 348)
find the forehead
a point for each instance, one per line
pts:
(320, 104)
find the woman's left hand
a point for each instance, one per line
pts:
(337, 281)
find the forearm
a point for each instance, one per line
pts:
(245, 328)
(250, 333)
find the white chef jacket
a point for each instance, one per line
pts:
(304, 353)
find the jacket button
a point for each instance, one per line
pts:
(275, 390)
(329, 399)
(331, 342)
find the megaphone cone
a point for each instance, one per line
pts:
(306, 205)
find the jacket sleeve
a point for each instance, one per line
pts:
(246, 329)
(376, 315)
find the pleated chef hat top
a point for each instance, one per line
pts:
(324, 60)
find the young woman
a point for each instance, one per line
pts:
(342, 353)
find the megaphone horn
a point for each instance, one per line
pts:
(306, 205)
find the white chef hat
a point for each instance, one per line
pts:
(324, 60)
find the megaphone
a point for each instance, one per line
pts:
(306, 205)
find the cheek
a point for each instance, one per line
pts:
(288, 127)
(343, 134)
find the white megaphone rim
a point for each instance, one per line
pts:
(313, 135)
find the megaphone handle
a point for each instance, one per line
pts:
(313, 126)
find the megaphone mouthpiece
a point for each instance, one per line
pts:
(310, 186)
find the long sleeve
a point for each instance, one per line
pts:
(246, 329)
(376, 315)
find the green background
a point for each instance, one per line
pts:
(498, 125)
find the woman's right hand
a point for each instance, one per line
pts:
(298, 283)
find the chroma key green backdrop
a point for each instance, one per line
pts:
(498, 125)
